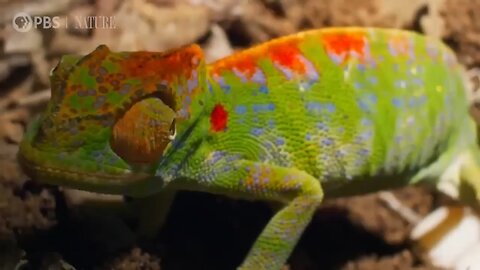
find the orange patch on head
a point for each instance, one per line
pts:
(175, 67)
(163, 65)
(340, 43)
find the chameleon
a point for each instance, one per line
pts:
(322, 113)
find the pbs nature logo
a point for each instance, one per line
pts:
(23, 22)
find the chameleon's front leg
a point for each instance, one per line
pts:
(274, 245)
(302, 194)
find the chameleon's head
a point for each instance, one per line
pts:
(111, 117)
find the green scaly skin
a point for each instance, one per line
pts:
(323, 113)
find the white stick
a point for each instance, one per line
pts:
(394, 204)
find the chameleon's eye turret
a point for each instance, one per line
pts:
(118, 91)
(114, 113)
(141, 135)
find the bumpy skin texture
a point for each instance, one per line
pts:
(329, 112)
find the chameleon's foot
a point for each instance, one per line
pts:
(300, 191)
(274, 245)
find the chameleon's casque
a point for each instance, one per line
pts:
(329, 112)
(114, 112)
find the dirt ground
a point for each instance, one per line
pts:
(42, 228)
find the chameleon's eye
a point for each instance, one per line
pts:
(141, 135)
(52, 70)
(173, 131)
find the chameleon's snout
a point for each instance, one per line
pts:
(92, 166)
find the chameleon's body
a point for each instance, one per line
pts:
(321, 113)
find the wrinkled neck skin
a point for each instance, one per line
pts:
(185, 153)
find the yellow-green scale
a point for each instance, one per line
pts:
(405, 135)
(331, 89)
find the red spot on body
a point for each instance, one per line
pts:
(340, 43)
(218, 118)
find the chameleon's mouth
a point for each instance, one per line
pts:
(89, 175)
(119, 161)
(132, 184)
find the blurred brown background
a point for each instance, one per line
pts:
(39, 227)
